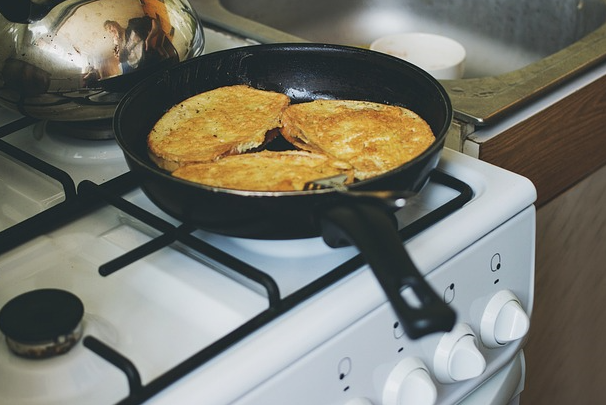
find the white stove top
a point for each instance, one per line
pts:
(170, 303)
(162, 312)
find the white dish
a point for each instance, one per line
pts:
(442, 57)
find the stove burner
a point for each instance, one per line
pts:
(42, 323)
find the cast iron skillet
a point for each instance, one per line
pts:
(304, 72)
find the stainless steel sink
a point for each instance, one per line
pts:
(516, 50)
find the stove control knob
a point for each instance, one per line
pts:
(504, 320)
(409, 383)
(457, 357)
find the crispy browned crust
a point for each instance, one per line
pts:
(373, 138)
(220, 122)
(265, 170)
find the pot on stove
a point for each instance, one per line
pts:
(72, 60)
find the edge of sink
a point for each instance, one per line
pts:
(477, 101)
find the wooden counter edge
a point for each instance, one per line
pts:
(557, 147)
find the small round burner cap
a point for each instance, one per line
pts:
(42, 317)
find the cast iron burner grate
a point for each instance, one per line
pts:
(278, 305)
(90, 196)
(44, 221)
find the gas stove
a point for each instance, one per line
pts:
(160, 312)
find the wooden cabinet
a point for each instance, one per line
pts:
(557, 147)
(565, 353)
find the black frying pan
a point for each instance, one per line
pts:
(304, 72)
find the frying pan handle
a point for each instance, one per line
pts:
(373, 230)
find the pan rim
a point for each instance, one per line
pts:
(285, 47)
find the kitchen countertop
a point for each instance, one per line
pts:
(556, 141)
(484, 134)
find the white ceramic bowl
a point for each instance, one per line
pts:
(442, 57)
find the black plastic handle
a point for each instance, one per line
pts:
(372, 229)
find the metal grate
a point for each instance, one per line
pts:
(277, 305)
(90, 196)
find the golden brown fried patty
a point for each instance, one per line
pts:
(220, 122)
(372, 137)
(265, 170)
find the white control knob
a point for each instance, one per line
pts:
(457, 357)
(409, 383)
(504, 320)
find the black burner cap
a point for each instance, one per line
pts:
(41, 315)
